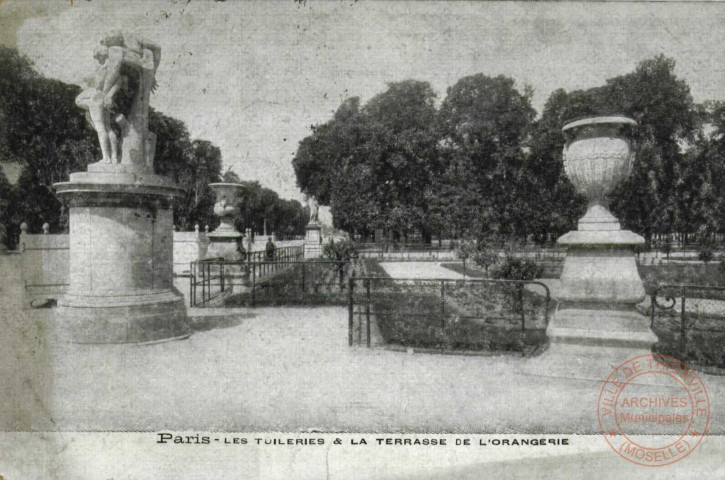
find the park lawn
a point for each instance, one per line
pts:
(682, 274)
(671, 273)
(549, 269)
(472, 270)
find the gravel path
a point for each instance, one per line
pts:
(290, 369)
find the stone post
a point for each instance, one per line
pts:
(313, 239)
(248, 233)
(313, 235)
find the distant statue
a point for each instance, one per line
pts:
(241, 251)
(314, 210)
(118, 102)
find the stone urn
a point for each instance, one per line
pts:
(597, 157)
(223, 240)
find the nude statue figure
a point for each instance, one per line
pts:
(97, 100)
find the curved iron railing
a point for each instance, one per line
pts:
(708, 301)
(441, 304)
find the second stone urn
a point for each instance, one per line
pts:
(224, 240)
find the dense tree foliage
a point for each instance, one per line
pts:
(480, 164)
(483, 123)
(42, 130)
(262, 210)
(372, 164)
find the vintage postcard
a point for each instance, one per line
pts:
(361, 240)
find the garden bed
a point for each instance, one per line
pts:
(311, 283)
(705, 339)
(704, 330)
(681, 274)
(470, 316)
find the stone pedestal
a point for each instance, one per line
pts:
(223, 244)
(121, 258)
(379, 236)
(313, 241)
(596, 326)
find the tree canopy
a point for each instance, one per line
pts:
(371, 164)
(261, 209)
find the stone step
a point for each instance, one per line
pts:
(613, 328)
(588, 344)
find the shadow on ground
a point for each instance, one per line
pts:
(205, 323)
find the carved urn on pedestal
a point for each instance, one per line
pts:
(600, 264)
(596, 324)
(224, 239)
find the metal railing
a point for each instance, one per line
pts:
(404, 247)
(210, 278)
(281, 254)
(303, 282)
(448, 314)
(262, 264)
(283, 281)
(204, 278)
(691, 321)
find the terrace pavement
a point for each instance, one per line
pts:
(283, 369)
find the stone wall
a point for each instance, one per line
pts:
(45, 260)
(188, 247)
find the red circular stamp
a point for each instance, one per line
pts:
(653, 410)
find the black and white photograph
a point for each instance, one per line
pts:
(324, 239)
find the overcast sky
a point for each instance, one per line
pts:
(253, 76)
